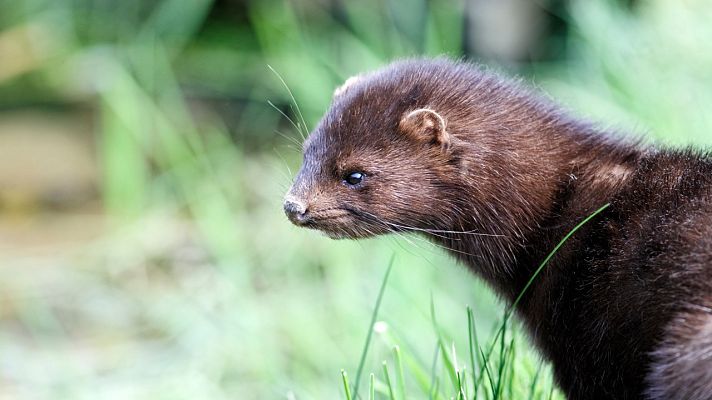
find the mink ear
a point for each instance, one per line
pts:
(425, 124)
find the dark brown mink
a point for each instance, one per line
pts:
(498, 175)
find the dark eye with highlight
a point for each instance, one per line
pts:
(354, 178)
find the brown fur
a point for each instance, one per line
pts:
(497, 175)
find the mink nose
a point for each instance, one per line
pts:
(296, 211)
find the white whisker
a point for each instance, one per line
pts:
(433, 231)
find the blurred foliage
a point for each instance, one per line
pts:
(198, 287)
(647, 72)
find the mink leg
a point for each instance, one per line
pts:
(682, 367)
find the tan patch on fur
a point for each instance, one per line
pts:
(612, 174)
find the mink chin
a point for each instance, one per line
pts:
(497, 174)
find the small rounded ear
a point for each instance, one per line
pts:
(426, 125)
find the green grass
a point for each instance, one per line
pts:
(199, 287)
(507, 382)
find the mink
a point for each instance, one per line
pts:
(498, 174)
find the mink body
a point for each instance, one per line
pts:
(499, 175)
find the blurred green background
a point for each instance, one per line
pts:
(143, 250)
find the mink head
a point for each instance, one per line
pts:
(382, 159)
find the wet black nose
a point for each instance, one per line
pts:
(296, 211)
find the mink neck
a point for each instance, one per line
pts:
(543, 189)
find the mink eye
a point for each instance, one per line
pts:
(354, 178)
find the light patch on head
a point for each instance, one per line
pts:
(349, 82)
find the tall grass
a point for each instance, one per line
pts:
(502, 379)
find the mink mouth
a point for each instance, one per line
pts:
(324, 222)
(332, 224)
(346, 223)
(375, 223)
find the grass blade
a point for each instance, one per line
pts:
(473, 343)
(460, 385)
(374, 315)
(510, 377)
(433, 372)
(371, 387)
(400, 378)
(345, 380)
(388, 381)
(532, 388)
(501, 361)
(487, 372)
(505, 378)
(436, 387)
(447, 362)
